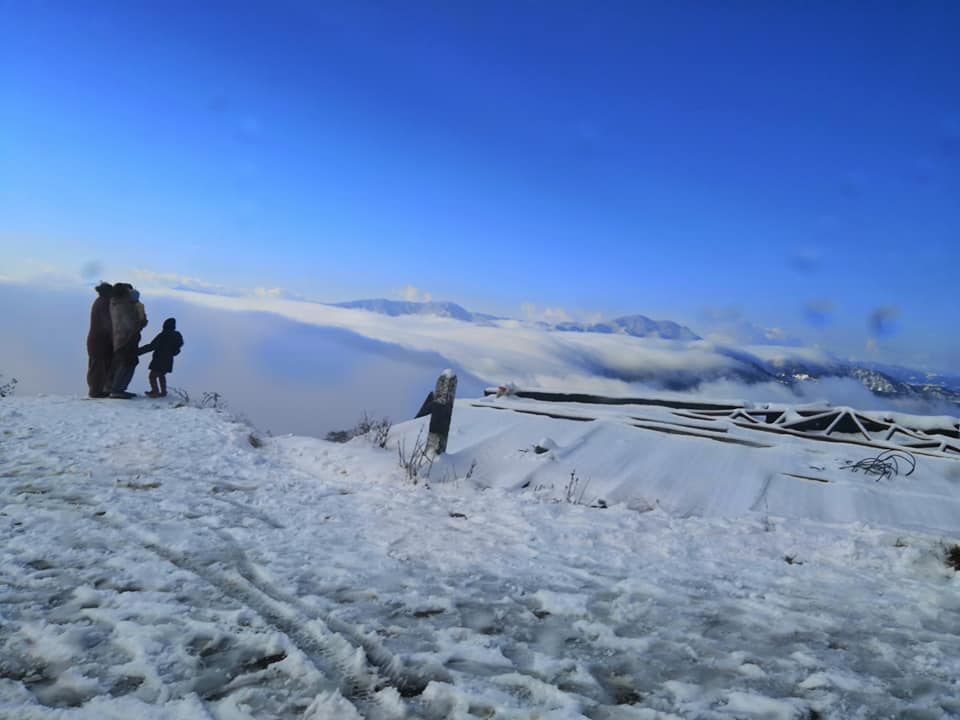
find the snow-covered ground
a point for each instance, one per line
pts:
(155, 564)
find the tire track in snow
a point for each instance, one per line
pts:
(359, 667)
(362, 669)
(406, 681)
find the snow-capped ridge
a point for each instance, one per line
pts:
(635, 326)
(395, 308)
(632, 325)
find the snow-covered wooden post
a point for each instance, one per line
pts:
(442, 413)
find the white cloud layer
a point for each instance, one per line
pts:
(547, 314)
(411, 293)
(149, 278)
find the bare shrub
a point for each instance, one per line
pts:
(338, 436)
(182, 396)
(415, 460)
(212, 400)
(951, 556)
(377, 430)
(471, 470)
(574, 493)
(364, 426)
(451, 476)
(7, 388)
(575, 490)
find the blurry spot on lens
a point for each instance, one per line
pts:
(91, 270)
(804, 260)
(883, 320)
(819, 311)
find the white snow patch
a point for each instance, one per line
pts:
(309, 579)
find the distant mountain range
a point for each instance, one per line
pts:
(635, 326)
(394, 308)
(792, 370)
(892, 382)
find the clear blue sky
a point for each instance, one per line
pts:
(684, 160)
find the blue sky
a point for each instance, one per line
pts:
(713, 163)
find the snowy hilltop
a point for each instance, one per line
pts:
(634, 326)
(562, 560)
(394, 308)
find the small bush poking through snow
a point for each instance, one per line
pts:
(452, 477)
(255, 442)
(575, 490)
(952, 557)
(574, 493)
(416, 460)
(377, 430)
(212, 400)
(7, 388)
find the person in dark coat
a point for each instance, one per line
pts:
(129, 318)
(100, 343)
(164, 347)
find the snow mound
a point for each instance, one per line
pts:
(696, 465)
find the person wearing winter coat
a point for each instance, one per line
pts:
(129, 318)
(164, 346)
(100, 343)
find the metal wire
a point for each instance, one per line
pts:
(884, 465)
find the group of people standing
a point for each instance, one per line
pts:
(113, 344)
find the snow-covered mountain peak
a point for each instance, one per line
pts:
(635, 326)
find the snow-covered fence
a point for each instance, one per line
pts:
(442, 412)
(896, 431)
